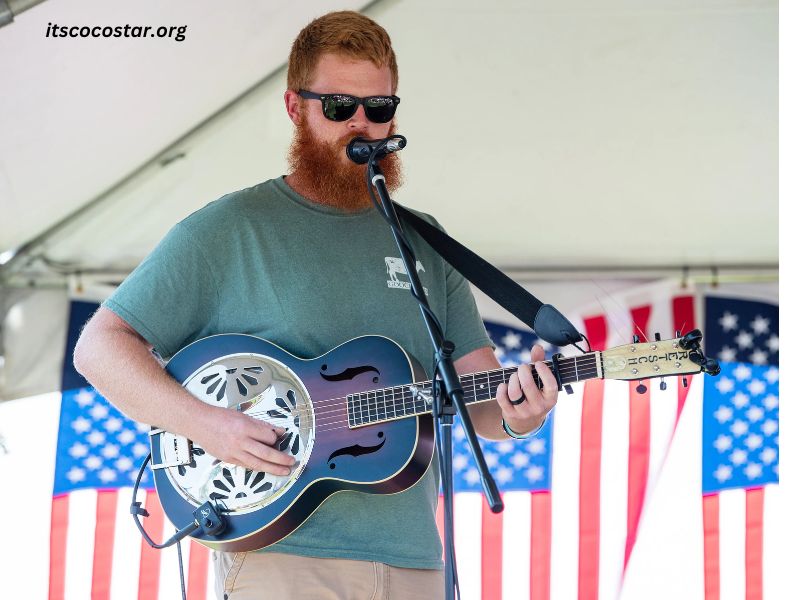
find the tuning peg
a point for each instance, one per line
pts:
(635, 339)
(641, 388)
(568, 388)
(691, 339)
(658, 337)
(696, 357)
(663, 385)
(710, 366)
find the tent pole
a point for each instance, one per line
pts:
(10, 8)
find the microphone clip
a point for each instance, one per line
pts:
(360, 150)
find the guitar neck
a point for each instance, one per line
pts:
(388, 404)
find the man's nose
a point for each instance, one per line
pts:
(359, 121)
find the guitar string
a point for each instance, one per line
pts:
(345, 424)
(337, 425)
(334, 416)
(390, 404)
(389, 395)
(330, 410)
(566, 371)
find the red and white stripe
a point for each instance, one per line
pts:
(738, 546)
(726, 546)
(609, 445)
(96, 552)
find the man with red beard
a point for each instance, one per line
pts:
(318, 164)
(302, 261)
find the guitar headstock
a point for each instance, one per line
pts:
(659, 358)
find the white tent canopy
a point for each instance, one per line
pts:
(561, 134)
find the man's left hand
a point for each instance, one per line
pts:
(530, 404)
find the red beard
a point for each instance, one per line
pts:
(317, 168)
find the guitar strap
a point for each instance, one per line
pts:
(548, 323)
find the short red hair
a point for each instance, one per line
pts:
(347, 33)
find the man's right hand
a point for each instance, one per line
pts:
(237, 438)
(117, 361)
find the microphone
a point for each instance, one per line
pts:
(359, 149)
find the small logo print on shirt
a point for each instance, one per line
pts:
(395, 267)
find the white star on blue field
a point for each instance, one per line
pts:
(740, 407)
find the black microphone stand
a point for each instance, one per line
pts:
(444, 379)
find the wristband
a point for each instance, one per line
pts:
(518, 436)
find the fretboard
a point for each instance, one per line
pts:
(387, 404)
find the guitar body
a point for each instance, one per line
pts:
(308, 397)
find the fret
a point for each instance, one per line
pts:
(398, 401)
(487, 386)
(361, 408)
(503, 379)
(350, 420)
(373, 406)
(380, 413)
(470, 390)
(575, 370)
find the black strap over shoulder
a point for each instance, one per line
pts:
(548, 323)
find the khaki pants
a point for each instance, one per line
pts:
(268, 575)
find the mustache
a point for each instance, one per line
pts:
(346, 140)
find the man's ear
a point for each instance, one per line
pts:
(292, 102)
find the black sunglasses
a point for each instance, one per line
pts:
(340, 107)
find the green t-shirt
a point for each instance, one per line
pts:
(267, 262)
